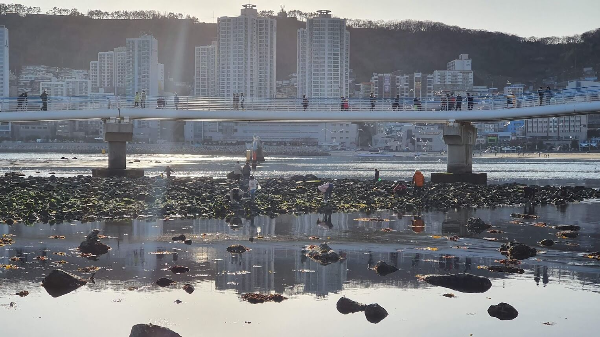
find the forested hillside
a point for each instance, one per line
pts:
(67, 38)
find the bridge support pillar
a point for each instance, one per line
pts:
(117, 135)
(460, 138)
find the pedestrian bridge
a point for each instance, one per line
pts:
(434, 110)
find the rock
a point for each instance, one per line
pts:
(59, 283)
(178, 238)
(375, 313)
(188, 288)
(164, 282)
(546, 243)
(150, 330)
(505, 269)
(237, 249)
(567, 234)
(322, 254)
(347, 306)
(567, 228)
(465, 283)
(179, 269)
(383, 269)
(92, 244)
(255, 298)
(476, 225)
(518, 251)
(503, 311)
(187, 242)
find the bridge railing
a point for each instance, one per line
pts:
(437, 103)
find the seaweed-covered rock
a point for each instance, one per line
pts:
(92, 244)
(164, 282)
(503, 311)
(476, 225)
(375, 313)
(518, 251)
(465, 283)
(546, 243)
(347, 306)
(255, 298)
(150, 330)
(383, 269)
(59, 283)
(180, 237)
(567, 234)
(237, 249)
(322, 254)
(505, 269)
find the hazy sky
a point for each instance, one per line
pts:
(521, 17)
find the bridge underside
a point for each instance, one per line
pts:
(310, 116)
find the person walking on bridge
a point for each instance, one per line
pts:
(396, 104)
(372, 100)
(176, 101)
(459, 102)
(469, 102)
(548, 95)
(541, 94)
(136, 100)
(143, 99)
(242, 101)
(304, 102)
(44, 97)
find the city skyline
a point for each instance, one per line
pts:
(514, 17)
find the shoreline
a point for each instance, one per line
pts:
(55, 200)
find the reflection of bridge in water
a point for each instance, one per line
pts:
(275, 265)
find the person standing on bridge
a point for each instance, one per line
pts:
(342, 103)
(136, 100)
(451, 102)
(242, 101)
(143, 99)
(459, 102)
(396, 104)
(176, 101)
(541, 94)
(417, 104)
(469, 102)
(548, 95)
(444, 100)
(372, 100)
(44, 97)
(304, 102)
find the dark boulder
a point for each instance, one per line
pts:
(347, 306)
(179, 269)
(383, 269)
(465, 283)
(59, 283)
(546, 243)
(322, 254)
(518, 251)
(150, 330)
(92, 244)
(178, 238)
(503, 311)
(375, 313)
(476, 225)
(237, 249)
(164, 282)
(188, 288)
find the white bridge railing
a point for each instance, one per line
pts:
(437, 103)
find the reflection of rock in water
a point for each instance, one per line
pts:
(465, 283)
(455, 222)
(59, 283)
(503, 311)
(150, 330)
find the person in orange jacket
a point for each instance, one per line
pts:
(418, 179)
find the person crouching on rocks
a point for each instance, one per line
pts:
(326, 189)
(252, 187)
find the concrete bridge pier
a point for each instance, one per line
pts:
(460, 138)
(117, 135)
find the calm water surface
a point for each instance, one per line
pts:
(560, 286)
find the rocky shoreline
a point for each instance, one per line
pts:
(55, 200)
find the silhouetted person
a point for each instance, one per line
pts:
(548, 95)
(459, 102)
(143, 98)
(396, 104)
(44, 97)
(372, 101)
(168, 171)
(304, 102)
(541, 94)
(469, 102)
(176, 101)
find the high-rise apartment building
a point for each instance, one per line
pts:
(205, 77)
(247, 54)
(141, 65)
(120, 70)
(94, 74)
(106, 71)
(323, 66)
(458, 76)
(4, 65)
